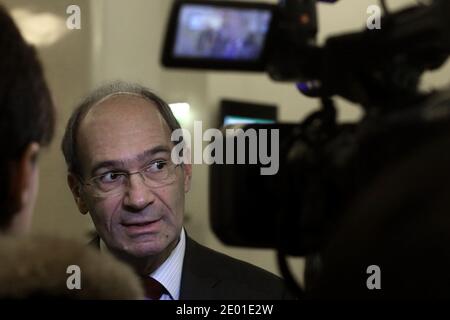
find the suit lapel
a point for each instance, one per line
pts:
(197, 281)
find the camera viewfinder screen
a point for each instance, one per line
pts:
(212, 32)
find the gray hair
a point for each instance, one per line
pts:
(69, 142)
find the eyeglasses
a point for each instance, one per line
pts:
(157, 174)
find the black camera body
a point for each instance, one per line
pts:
(323, 165)
(323, 168)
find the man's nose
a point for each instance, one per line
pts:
(138, 195)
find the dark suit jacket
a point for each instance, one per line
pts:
(210, 275)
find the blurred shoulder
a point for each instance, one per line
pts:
(40, 266)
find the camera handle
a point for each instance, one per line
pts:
(315, 129)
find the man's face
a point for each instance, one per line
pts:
(124, 134)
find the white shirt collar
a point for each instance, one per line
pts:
(169, 273)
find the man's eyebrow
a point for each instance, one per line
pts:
(152, 152)
(121, 163)
(107, 164)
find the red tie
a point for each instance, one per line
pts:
(153, 288)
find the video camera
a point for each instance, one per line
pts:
(323, 165)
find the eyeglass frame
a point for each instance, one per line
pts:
(90, 182)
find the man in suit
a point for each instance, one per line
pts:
(117, 147)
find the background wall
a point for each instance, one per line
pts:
(122, 40)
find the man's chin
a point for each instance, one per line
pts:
(144, 249)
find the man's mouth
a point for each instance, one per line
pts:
(141, 227)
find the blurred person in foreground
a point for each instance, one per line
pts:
(36, 267)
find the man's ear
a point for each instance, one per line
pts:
(75, 186)
(187, 167)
